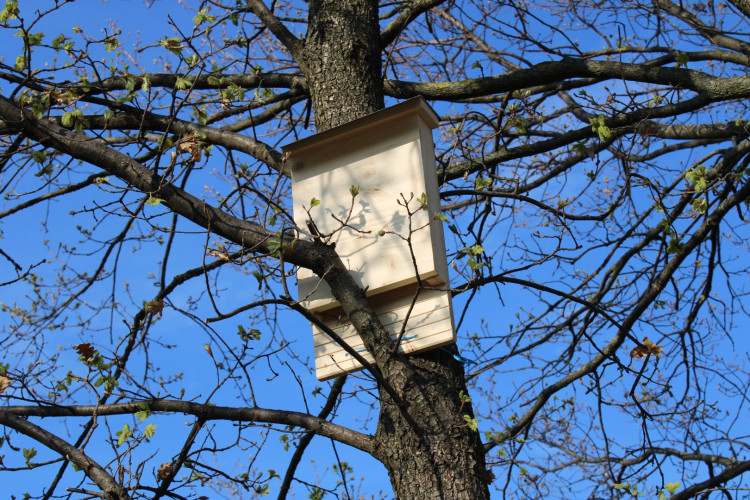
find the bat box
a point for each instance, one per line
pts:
(386, 234)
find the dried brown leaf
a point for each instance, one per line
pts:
(85, 349)
(4, 383)
(647, 347)
(163, 471)
(218, 255)
(155, 306)
(189, 144)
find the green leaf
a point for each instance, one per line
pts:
(142, 415)
(174, 45)
(61, 42)
(598, 126)
(39, 156)
(130, 83)
(464, 397)
(476, 266)
(354, 189)
(314, 202)
(28, 454)
(621, 486)
(274, 245)
(20, 63)
(476, 249)
(35, 38)
(681, 59)
(441, 217)
(124, 434)
(46, 170)
(154, 201)
(145, 84)
(672, 486)
(201, 115)
(10, 11)
(422, 201)
(111, 44)
(700, 205)
(697, 178)
(481, 183)
(473, 423)
(74, 119)
(181, 83)
(150, 430)
(108, 114)
(203, 17)
(245, 335)
(675, 246)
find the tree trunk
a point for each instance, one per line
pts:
(426, 444)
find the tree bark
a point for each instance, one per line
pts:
(342, 61)
(424, 441)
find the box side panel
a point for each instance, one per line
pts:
(429, 168)
(430, 325)
(374, 233)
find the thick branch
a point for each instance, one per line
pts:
(726, 475)
(715, 88)
(280, 31)
(206, 412)
(715, 35)
(110, 487)
(398, 25)
(96, 152)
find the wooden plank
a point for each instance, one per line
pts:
(429, 325)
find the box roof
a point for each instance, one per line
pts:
(414, 106)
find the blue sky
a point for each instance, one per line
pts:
(279, 389)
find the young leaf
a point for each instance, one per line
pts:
(124, 434)
(111, 44)
(598, 126)
(20, 63)
(28, 454)
(672, 486)
(181, 83)
(10, 11)
(150, 430)
(172, 44)
(473, 423)
(681, 59)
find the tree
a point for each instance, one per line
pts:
(593, 168)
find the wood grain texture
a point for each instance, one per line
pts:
(429, 324)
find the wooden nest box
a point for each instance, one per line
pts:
(389, 155)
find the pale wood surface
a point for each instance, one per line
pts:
(386, 164)
(390, 156)
(429, 325)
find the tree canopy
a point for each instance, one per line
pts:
(593, 162)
